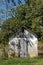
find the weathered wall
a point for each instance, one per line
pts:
(24, 47)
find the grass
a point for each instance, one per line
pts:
(22, 61)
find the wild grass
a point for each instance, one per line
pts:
(22, 61)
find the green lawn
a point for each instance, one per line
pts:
(22, 61)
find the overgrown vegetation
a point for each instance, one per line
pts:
(28, 15)
(22, 61)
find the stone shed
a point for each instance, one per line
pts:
(24, 44)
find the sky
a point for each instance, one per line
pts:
(4, 9)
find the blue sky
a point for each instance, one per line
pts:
(3, 9)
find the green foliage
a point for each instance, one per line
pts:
(28, 16)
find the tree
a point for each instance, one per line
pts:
(28, 15)
(19, 2)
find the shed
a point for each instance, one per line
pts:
(24, 44)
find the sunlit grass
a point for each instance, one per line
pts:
(22, 61)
